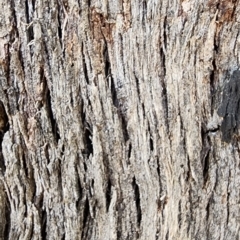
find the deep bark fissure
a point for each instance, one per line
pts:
(179, 214)
(59, 24)
(129, 150)
(205, 153)
(44, 225)
(15, 29)
(85, 70)
(137, 200)
(55, 129)
(137, 86)
(29, 20)
(108, 194)
(107, 69)
(124, 128)
(162, 58)
(86, 216)
(7, 216)
(113, 92)
(4, 127)
(24, 163)
(165, 36)
(88, 142)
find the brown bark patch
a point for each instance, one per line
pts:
(102, 28)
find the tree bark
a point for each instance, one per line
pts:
(119, 119)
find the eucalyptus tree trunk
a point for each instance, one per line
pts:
(119, 119)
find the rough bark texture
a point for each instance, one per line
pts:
(119, 119)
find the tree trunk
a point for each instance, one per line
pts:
(119, 119)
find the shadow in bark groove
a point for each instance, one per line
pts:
(84, 66)
(113, 93)
(29, 19)
(4, 127)
(8, 219)
(86, 218)
(205, 152)
(88, 142)
(107, 62)
(53, 121)
(108, 194)
(44, 225)
(129, 150)
(138, 90)
(179, 214)
(137, 200)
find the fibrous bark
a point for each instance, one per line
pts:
(119, 119)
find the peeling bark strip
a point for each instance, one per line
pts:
(110, 115)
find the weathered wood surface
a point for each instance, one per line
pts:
(119, 119)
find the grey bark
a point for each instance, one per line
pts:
(119, 119)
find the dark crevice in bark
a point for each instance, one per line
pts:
(21, 60)
(4, 127)
(208, 210)
(143, 109)
(24, 162)
(205, 152)
(88, 142)
(158, 170)
(121, 47)
(7, 227)
(59, 25)
(85, 71)
(86, 217)
(107, 69)
(137, 86)
(188, 170)
(85, 166)
(82, 113)
(151, 144)
(190, 210)
(38, 201)
(33, 5)
(14, 21)
(144, 11)
(206, 167)
(212, 85)
(79, 189)
(163, 61)
(113, 93)
(137, 200)
(108, 194)
(44, 225)
(30, 33)
(165, 103)
(91, 189)
(55, 129)
(165, 32)
(124, 129)
(179, 214)
(89, 3)
(227, 202)
(150, 138)
(129, 150)
(167, 235)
